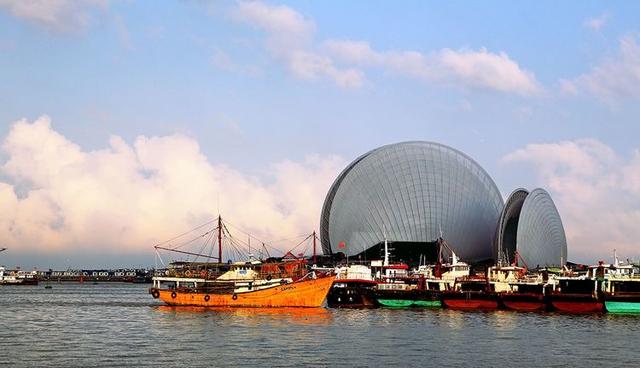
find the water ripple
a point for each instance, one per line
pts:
(121, 325)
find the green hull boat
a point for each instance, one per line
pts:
(622, 307)
(404, 303)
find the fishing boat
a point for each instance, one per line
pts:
(526, 292)
(396, 288)
(254, 283)
(424, 286)
(471, 293)
(521, 290)
(352, 288)
(579, 293)
(622, 295)
(399, 290)
(239, 288)
(622, 288)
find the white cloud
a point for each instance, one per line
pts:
(614, 78)
(290, 40)
(467, 68)
(598, 22)
(278, 20)
(56, 15)
(127, 197)
(597, 193)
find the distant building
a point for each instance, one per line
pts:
(412, 192)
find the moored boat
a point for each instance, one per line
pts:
(17, 277)
(309, 291)
(471, 293)
(352, 288)
(284, 282)
(622, 288)
(520, 290)
(422, 287)
(579, 295)
(621, 302)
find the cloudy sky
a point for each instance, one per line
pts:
(123, 123)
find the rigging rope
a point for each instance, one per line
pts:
(187, 232)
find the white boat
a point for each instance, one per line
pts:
(17, 277)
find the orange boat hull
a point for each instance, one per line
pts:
(306, 293)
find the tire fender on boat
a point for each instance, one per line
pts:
(155, 293)
(174, 295)
(234, 297)
(206, 298)
(268, 277)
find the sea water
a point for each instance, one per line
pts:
(114, 325)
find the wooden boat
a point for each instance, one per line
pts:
(254, 283)
(307, 292)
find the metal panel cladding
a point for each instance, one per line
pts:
(541, 239)
(505, 246)
(412, 190)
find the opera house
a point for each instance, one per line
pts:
(412, 193)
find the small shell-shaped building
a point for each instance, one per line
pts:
(412, 192)
(530, 224)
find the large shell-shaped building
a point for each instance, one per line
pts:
(412, 192)
(530, 224)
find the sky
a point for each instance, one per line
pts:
(124, 123)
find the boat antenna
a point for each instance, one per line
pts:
(386, 246)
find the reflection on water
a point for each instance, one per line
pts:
(303, 316)
(121, 325)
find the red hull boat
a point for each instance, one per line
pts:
(469, 300)
(578, 296)
(577, 303)
(523, 302)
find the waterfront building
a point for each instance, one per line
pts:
(412, 193)
(531, 226)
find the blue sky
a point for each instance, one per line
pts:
(270, 89)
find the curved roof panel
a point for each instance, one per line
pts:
(412, 191)
(505, 240)
(541, 239)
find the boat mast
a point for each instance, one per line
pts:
(314, 246)
(219, 238)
